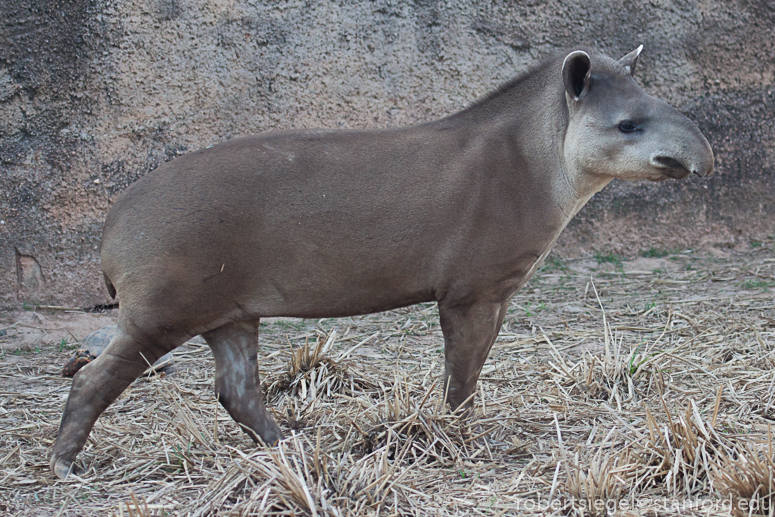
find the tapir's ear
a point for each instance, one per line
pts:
(575, 74)
(630, 60)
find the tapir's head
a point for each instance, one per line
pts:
(616, 130)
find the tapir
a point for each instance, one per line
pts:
(320, 224)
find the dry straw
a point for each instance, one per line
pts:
(615, 388)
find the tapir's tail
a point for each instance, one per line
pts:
(109, 285)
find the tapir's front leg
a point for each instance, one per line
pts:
(469, 332)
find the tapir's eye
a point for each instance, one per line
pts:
(628, 126)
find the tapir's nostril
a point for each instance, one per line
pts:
(664, 161)
(673, 168)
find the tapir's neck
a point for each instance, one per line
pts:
(533, 192)
(531, 114)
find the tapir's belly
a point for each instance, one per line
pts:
(261, 266)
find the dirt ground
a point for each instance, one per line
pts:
(626, 387)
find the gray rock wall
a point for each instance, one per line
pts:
(95, 93)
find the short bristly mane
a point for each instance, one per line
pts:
(601, 62)
(509, 85)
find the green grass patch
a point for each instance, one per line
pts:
(531, 310)
(554, 264)
(655, 253)
(64, 344)
(609, 258)
(26, 351)
(289, 325)
(757, 284)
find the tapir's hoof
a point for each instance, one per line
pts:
(62, 468)
(272, 440)
(270, 437)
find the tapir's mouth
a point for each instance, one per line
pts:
(673, 168)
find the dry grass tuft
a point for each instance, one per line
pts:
(680, 449)
(137, 508)
(597, 488)
(747, 478)
(312, 373)
(414, 430)
(610, 376)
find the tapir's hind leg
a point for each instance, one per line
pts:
(237, 385)
(97, 385)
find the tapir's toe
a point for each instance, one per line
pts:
(268, 432)
(62, 468)
(274, 435)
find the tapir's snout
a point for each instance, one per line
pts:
(688, 152)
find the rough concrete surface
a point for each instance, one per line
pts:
(95, 93)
